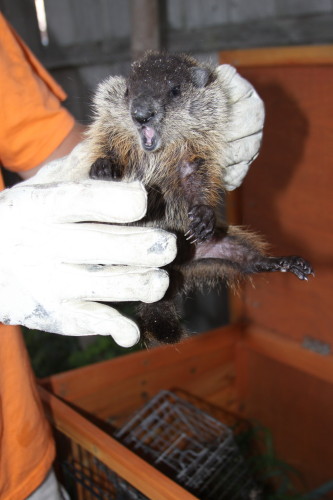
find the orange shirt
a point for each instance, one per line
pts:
(33, 123)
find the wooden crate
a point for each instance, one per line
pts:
(275, 363)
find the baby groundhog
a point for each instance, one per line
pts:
(166, 126)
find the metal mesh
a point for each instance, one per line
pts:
(190, 446)
(87, 478)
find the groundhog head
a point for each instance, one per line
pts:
(160, 89)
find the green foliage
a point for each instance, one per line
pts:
(100, 349)
(50, 353)
(276, 477)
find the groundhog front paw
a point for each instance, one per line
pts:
(293, 264)
(202, 223)
(106, 169)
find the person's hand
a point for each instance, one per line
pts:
(244, 128)
(57, 263)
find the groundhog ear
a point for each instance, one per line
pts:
(200, 77)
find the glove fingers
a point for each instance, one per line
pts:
(115, 283)
(88, 318)
(102, 201)
(89, 200)
(245, 124)
(104, 244)
(238, 87)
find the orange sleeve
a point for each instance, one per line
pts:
(27, 448)
(33, 122)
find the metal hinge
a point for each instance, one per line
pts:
(317, 346)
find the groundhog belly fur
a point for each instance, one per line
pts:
(165, 126)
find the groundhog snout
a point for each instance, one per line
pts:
(143, 110)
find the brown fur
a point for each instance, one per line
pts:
(166, 126)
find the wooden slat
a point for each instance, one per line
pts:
(288, 389)
(286, 198)
(288, 352)
(279, 56)
(226, 398)
(201, 375)
(178, 363)
(79, 487)
(288, 394)
(117, 457)
(285, 195)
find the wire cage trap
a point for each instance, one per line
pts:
(191, 447)
(178, 438)
(87, 478)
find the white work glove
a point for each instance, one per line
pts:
(53, 270)
(245, 126)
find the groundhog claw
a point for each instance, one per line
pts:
(202, 223)
(294, 264)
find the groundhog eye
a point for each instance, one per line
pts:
(126, 92)
(175, 91)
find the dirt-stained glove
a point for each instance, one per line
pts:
(56, 262)
(245, 126)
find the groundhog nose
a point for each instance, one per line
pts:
(142, 114)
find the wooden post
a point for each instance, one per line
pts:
(145, 22)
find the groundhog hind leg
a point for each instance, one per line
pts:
(159, 323)
(291, 263)
(106, 168)
(243, 251)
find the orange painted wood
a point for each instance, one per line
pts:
(297, 409)
(226, 398)
(121, 385)
(289, 352)
(80, 489)
(279, 56)
(270, 371)
(125, 463)
(289, 390)
(286, 197)
(201, 375)
(278, 348)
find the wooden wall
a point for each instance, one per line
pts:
(286, 195)
(285, 364)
